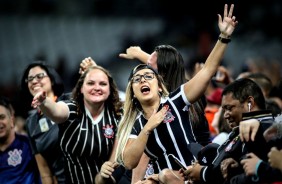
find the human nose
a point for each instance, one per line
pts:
(143, 78)
(226, 114)
(96, 87)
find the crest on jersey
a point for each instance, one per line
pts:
(108, 131)
(149, 170)
(168, 117)
(15, 157)
(230, 145)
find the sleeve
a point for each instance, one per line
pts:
(268, 174)
(73, 109)
(178, 96)
(211, 174)
(136, 129)
(262, 150)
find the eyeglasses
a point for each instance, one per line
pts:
(146, 76)
(37, 77)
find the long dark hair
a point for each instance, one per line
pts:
(171, 67)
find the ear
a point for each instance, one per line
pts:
(13, 121)
(160, 90)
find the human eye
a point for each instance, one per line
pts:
(149, 76)
(136, 79)
(228, 107)
(90, 83)
(40, 75)
(103, 83)
(2, 116)
(30, 78)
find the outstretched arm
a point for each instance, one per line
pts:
(135, 52)
(57, 111)
(196, 87)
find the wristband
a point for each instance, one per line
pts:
(224, 40)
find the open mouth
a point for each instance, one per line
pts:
(145, 89)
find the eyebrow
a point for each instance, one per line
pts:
(36, 74)
(144, 73)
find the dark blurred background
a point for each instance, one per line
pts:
(63, 32)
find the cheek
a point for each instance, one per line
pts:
(82, 89)
(29, 87)
(107, 91)
(134, 90)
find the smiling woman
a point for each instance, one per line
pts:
(43, 133)
(88, 124)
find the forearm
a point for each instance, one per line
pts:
(57, 112)
(140, 171)
(135, 149)
(214, 59)
(196, 87)
(143, 57)
(44, 170)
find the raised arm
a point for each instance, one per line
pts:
(57, 111)
(135, 52)
(196, 87)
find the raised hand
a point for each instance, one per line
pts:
(86, 63)
(228, 23)
(38, 99)
(131, 52)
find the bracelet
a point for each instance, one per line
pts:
(224, 40)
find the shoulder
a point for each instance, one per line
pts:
(65, 96)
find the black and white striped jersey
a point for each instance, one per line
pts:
(172, 136)
(86, 143)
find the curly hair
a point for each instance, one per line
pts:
(113, 102)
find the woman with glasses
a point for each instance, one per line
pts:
(42, 132)
(155, 121)
(88, 125)
(170, 65)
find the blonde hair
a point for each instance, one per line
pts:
(131, 109)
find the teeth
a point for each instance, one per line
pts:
(36, 88)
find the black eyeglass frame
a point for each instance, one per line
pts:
(146, 76)
(38, 77)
